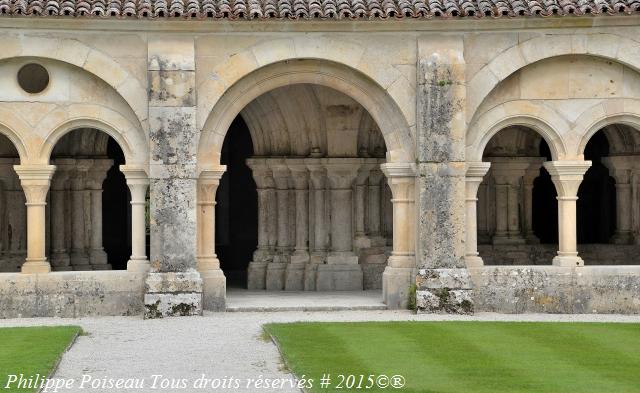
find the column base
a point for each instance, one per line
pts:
(294, 276)
(502, 240)
(173, 294)
(79, 261)
(444, 291)
(568, 261)
(532, 239)
(339, 277)
(473, 261)
(361, 242)
(342, 258)
(138, 265)
(37, 266)
(396, 285)
(214, 285)
(97, 258)
(310, 273)
(622, 238)
(275, 276)
(60, 261)
(256, 275)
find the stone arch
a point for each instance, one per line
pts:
(129, 137)
(539, 118)
(609, 46)
(340, 77)
(89, 59)
(13, 128)
(600, 115)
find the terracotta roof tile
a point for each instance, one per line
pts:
(313, 9)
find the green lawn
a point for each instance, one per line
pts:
(31, 351)
(459, 357)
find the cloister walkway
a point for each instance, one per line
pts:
(245, 300)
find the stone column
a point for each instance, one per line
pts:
(475, 174)
(97, 174)
(35, 181)
(374, 208)
(275, 276)
(508, 173)
(138, 183)
(78, 256)
(567, 176)
(529, 177)
(257, 270)
(173, 286)
(342, 271)
(294, 280)
(361, 240)
(401, 267)
(318, 177)
(59, 256)
(620, 169)
(213, 279)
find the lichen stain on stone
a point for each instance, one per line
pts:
(152, 311)
(183, 309)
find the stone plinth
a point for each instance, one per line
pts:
(173, 294)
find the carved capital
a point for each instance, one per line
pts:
(567, 176)
(35, 181)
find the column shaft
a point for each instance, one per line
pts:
(138, 183)
(474, 177)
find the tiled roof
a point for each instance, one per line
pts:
(313, 9)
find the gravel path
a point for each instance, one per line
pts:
(219, 345)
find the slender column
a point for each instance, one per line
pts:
(502, 192)
(35, 181)
(79, 258)
(214, 281)
(318, 178)
(138, 183)
(300, 257)
(374, 208)
(59, 256)
(401, 269)
(361, 240)
(475, 174)
(482, 213)
(620, 168)
(275, 277)
(567, 176)
(97, 174)
(267, 224)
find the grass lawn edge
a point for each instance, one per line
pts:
(274, 340)
(56, 364)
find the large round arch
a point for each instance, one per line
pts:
(371, 96)
(596, 118)
(607, 46)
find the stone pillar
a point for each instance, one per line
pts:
(361, 240)
(213, 279)
(401, 266)
(35, 181)
(620, 169)
(443, 282)
(567, 176)
(294, 278)
(374, 208)
(508, 173)
(59, 256)
(173, 286)
(529, 177)
(267, 222)
(475, 174)
(318, 178)
(275, 276)
(342, 271)
(138, 183)
(97, 174)
(78, 256)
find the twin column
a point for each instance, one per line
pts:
(566, 176)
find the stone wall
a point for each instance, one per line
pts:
(552, 289)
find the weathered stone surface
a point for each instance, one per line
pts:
(173, 294)
(552, 289)
(339, 277)
(444, 300)
(71, 294)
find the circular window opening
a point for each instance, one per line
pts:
(33, 78)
